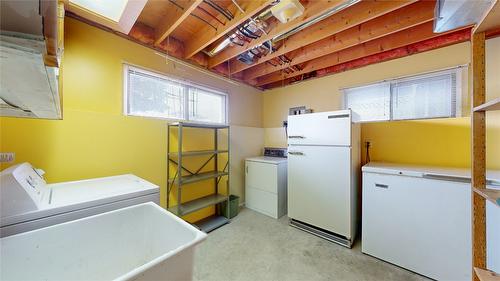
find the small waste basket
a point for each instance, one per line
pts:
(234, 202)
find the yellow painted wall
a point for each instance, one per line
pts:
(442, 142)
(95, 139)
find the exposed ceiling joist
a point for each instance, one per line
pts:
(355, 15)
(313, 9)
(174, 19)
(207, 35)
(442, 40)
(329, 33)
(396, 40)
(389, 23)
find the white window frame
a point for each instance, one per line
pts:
(461, 84)
(187, 84)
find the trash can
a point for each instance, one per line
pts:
(234, 204)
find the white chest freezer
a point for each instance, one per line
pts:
(28, 202)
(420, 218)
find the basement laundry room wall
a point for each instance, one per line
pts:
(440, 142)
(95, 139)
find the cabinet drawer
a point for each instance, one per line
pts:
(261, 176)
(262, 201)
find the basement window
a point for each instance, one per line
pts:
(432, 95)
(150, 94)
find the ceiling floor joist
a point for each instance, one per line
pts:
(172, 20)
(392, 22)
(313, 9)
(208, 35)
(420, 47)
(359, 13)
(396, 40)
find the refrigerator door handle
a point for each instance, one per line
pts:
(296, 137)
(295, 153)
(381, 185)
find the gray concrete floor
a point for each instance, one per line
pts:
(256, 247)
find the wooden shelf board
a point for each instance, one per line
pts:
(493, 195)
(489, 106)
(486, 275)
(491, 19)
(198, 204)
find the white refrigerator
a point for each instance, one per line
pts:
(323, 165)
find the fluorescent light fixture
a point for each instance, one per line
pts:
(119, 15)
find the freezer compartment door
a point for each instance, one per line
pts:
(319, 187)
(324, 128)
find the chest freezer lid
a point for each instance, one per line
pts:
(443, 173)
(78, 195)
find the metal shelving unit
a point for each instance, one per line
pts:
(184, 176)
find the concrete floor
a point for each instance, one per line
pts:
(256, 247)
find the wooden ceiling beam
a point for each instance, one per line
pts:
(208, 35)
(392, 22)
(313, 9)
(173, 19)
(396, 40)
(419, 47)
(342, 20)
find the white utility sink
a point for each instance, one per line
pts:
(141, 242)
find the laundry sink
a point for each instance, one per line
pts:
(141, 242)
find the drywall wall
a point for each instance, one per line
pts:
(95, 139)
(443, 142)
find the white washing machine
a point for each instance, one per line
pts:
(28, 202)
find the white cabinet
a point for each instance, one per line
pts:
(266, 185)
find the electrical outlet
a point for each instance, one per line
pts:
(285, 123)
(7, 157)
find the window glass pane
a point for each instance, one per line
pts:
(206, 106)
(371, 103)
(428, 97)
(155, 97)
